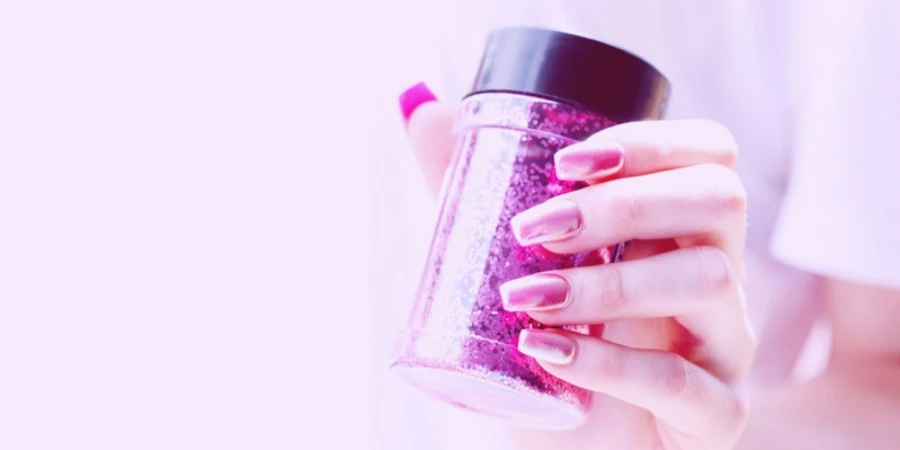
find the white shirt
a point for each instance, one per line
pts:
(811, 95)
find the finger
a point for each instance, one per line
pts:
(676, 391)
(697, 286)
(429, 126)
(639, 148)
(705, 203)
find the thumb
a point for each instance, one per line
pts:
(429, 126)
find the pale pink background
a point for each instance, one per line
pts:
(185, 221)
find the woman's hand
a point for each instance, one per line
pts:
(673, 341)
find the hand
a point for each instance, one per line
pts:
(673, 341)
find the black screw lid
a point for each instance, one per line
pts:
(573, 69)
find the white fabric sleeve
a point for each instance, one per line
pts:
(841, 215)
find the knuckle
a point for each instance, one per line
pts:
(628, 210)
(720, 139)
(725, 190)
(740, 409)
(677, 379)
(610, 366)
(731, 202)
(717, 274)
(610, 289)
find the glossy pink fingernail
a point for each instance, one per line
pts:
(580, 163)
(539, 292)
(551, 346)
(550, 221)
(414, 97)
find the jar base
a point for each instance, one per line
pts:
(482, 390)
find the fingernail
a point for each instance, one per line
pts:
(414, 97)
(539, 292)
(580, 163)
(551, 346)
(550, 221)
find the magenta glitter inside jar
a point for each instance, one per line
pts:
(460, 344)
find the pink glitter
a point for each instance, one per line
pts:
(460, 344)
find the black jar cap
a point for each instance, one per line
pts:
(574, 69)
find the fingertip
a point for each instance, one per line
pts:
(414, 97)
(431, 120)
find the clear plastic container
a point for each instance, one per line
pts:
(460, 344)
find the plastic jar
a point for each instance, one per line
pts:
(536, 92)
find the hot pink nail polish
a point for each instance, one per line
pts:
(536, 92)
(541, 292)
(551, 346)
(587, 163)
(551, 221)
(414, 97)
